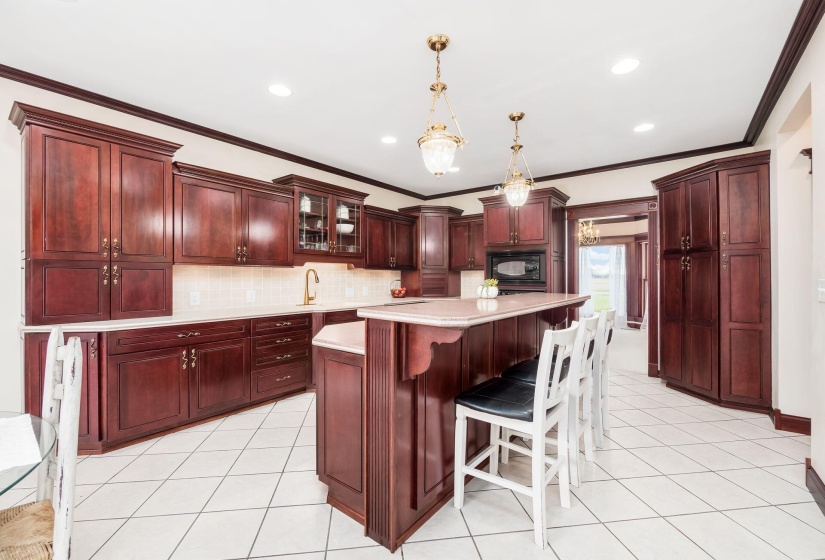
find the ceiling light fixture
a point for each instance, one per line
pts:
(389, 140)
(280, 90)
(437, 145)
(644, 127)
(588, 235)
(517, 187)
(453, 169)
(625, 66)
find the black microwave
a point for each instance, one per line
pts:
(518, 268)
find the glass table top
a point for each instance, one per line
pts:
(46, 437)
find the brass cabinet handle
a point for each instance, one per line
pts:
(724, 238)
(244, 254)
(282, 340)
(187, 335)
(516, 237)
(284, 324)
(687, 242)
(512, 235)
(682, 243)
(115, 248)
(283, 378)
(185, 359)
(724, 261)
(194, 358)
(682, 262)
(105, 274)
(687, 262)
(105, 246)
(284, 357)
(114, 274)
(93, 348)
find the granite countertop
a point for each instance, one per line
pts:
(347, 337)
(225, 314)
(467, 312)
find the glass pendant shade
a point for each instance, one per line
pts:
(438, 149)
(517, 190)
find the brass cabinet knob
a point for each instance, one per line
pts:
(105, 246)
(115, 247)
(105, 274)
(185, 359)
(194, 358)
(115, 274)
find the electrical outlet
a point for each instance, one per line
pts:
(194, 298)
(820, 292)
(350, 292)
(250, 296)
(365, 291)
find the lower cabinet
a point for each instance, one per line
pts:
(146, 392)
(219, 377)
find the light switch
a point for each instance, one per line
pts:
(820, 292)
(194, 298)
(250, 296)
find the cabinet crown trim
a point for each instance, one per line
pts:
(467, 218)
(23, 115)
(755, 158)
(425, 209)
(196, 172)
(552, 192)
(293, 181)
(391, 214)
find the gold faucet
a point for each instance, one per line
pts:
(308, 298)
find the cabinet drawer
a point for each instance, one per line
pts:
(274, 381)
(273, 343)
(136, 340)
(281, 324)
(263, 360)
(433, 285)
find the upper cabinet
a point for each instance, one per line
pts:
(467, 250)
(328, 221)
(390, 239)
(526, 225)
(98, 220)
(744, 208)
(432, 277)
(227, 219)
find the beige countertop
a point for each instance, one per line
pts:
(467, 312)
(347, 337)
(225, 314)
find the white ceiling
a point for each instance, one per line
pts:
(361, 70)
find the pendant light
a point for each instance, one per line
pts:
(516, 187)
(587, 234)
(438, 145)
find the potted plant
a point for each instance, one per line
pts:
(489, 289)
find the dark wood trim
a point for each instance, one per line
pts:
(346, 510)
(431, 209)
(808, 152)
(110, 103)
(389, 214)
(294, 181)
(536, 193)
(718, 402)
(196, 172)
(632, 207)
(789, 423)
(743, 160)
(803, 28)
(815, 485)
(466, 218)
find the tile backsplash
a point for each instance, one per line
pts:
(226, 286)
(470, 281)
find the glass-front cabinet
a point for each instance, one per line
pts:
(328, 220)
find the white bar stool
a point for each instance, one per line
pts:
(601, 376)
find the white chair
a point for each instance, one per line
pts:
(601, 375)
(531, 409)
(43, 529)
(580, 423)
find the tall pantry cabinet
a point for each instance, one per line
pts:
(714, 274)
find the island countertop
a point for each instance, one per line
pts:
(346, 337)
(470, 311)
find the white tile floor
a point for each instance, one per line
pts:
(677, 479)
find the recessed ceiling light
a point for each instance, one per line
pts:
(644, 127)
(625, 66)
(389, 140)
(280, 90)
(453, 169)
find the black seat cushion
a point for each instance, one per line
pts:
(527, 371)
(502, 397)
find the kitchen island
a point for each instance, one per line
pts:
(386, 416)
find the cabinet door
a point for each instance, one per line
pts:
(146, 392)
(700, 358)
(272, 382)
(460, 246)
(207, 222)
(478, 251)
(528, 345)
(745, 327)
(312, 222)
(498, 224)
(219, 377)
(403, 240)
(68, 197)
(35, 367)
(672, 321)
(744, 208)
(700, 204)
(477, 347)
(435, 243)
(349, 214)
(141, 290)
(267, 229)
(558, 227)
(671, 213)
(67, 291)
(533, 223)
(379, 242)
(505, 344)
(141, 205)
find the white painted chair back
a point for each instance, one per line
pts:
(601, 376)
(567, 344)
(62, 386)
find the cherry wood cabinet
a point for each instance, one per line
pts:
(89, 432)
(389, 239)
(467, 249)
(267, 235)
(499, 223)
(97, 201)
(219, 377)
(715, 277)
(328, 221)
(432, 276)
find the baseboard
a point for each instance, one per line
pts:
(789, 423)
(652, 370)
(719, 402)
(816, 486)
